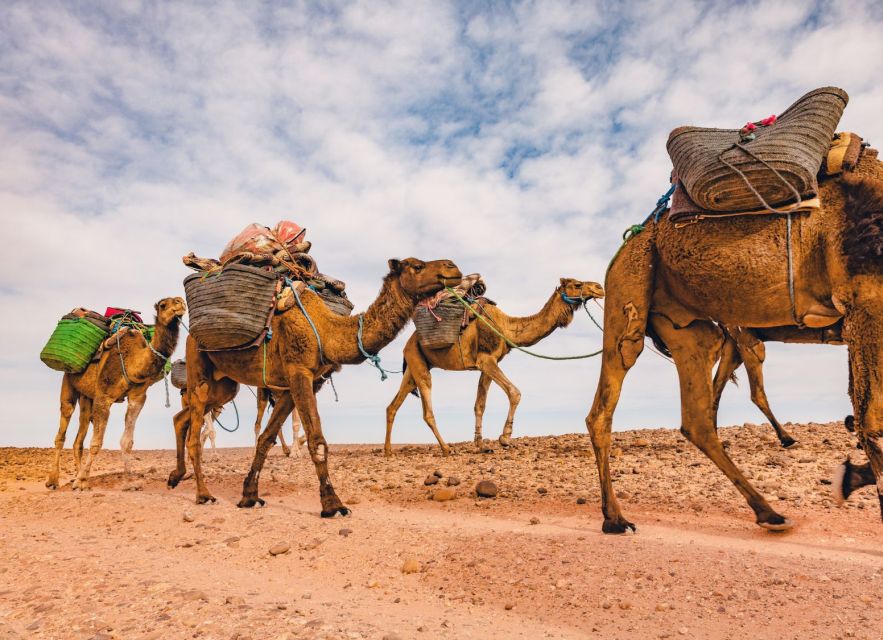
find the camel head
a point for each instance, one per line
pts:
(579, 291)
(420, 279)
(169, 310)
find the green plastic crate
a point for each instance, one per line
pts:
(71, 345)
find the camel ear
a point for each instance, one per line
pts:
(564, 281)
(395, 266)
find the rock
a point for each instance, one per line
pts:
(373, 583)
(279, 548)
(392, 636)
(663, 606)
(641, 442)
(509, 606)
(134, 486)
(453, 481)
(580, 500)
(437, 473)
(625, 605)
(411, 566)
(234, 600)
(542, 491)
(187, 516)
(194, 595)
(345, 532)
(534, 520)
(431, 480)
(486, 489)
(606, 605)
(444, 494)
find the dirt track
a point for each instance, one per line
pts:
(123, 561)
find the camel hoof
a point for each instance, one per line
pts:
(249, 502)
(286, 451)
(330, 513)
(205, 498)
(618, 525)
(173, 480)
(446, 452)
(839, 488)
(80, 485)
(52, 484)
(505, 441)
(849, 423)
(788, 442)
(387, 453)
(775, 522)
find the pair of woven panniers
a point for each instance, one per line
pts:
(230, 308)
(73, 342)
(440, 326)
(178, 374)
(337, 303)
(794, 145)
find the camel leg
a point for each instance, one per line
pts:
(198, 408)
(305, 401)
(135, 401)
(208, 431)
(69, 397)
(285, 448)
(85, 419)
(406, 387)
(296, 428)
(490, 368)
(484, 384)
(283, 407)
(182, 426)
(729, 362)
(100, 416)
(695, 349)
(263, 398)
(754, 356)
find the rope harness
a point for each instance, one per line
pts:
(236, 428)
(166, 367)
(373, 359)
(511, 344)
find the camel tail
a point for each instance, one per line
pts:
(863, 234)
(414, 391)
(734, 378)
(657, 341)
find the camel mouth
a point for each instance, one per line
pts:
(450, 281)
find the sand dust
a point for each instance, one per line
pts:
(131, 559)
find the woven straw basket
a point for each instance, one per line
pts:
(230, 309)
(179, 374)
(794, 146)
(336, 303)
(434, 333)
(72, 344)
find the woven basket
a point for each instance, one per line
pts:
(231, 309)
(794, 146)
(72, 344)
(337, 303)
(178, 374)
(438, 334)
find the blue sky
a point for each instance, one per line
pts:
(518, 139)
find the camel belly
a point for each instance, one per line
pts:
(735, 271)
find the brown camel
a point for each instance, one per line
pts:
(293, 362)
(265, 397)
(747, 346)
(124, 371)
(679, 281)
(479, 348)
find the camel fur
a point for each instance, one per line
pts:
(104, 382)
(480, 348)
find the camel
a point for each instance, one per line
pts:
(124, 371)
(293, 362)
(479, 348)
(265, 397)
(747, 346)
(677, 282)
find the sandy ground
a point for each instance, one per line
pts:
(131, 559)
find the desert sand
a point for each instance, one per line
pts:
(132, 559)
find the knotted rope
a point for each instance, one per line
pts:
(375, 358)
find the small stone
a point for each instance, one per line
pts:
(345, 532)
(437, 473)
(606, 605)
(392, 636)
(279, 548)
(683, 631)
(306, 596)
(625, 605)
(234, 600)
(444, 494)
(430, 480)
(509, 606)
(453, 481)
(194, 595)
(411, 566)
(641, 442)
(580, 500)
(534, 520)
(663, 606)
(542, 491)
(187, 516)
(373, 583)
(486, 489)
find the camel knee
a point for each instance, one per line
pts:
(319, 453)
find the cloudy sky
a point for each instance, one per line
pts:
(518, 139)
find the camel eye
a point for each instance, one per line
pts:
(418, 267)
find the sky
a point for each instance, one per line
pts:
(517, 139)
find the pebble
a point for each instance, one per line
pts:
(625, 605)
(542, 491)
(509, 606)
(194, 595)
(279, 548)
(345, 532)
(534, 520)
(392, 636)
(580, 500)
(641, 442)
(453, 481)
(444, 494)
(187, 516)
(411, 566)
(437, 473)
(431, 480)
(486, 489)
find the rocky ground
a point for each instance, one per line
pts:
(131, 559)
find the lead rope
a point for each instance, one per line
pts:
(375, 358)
(236, 428)
(791, 272)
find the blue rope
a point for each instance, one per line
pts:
(662, 203)
(307, 316)
(374, 359)
(218, 422)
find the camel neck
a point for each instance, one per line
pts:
(165, 337)
(528, 330)
(381, 323)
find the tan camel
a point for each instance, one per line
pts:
(746, 346)
(293, 362)
(479, 348)
(265, 397)
(676, 282)
(123, 372)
